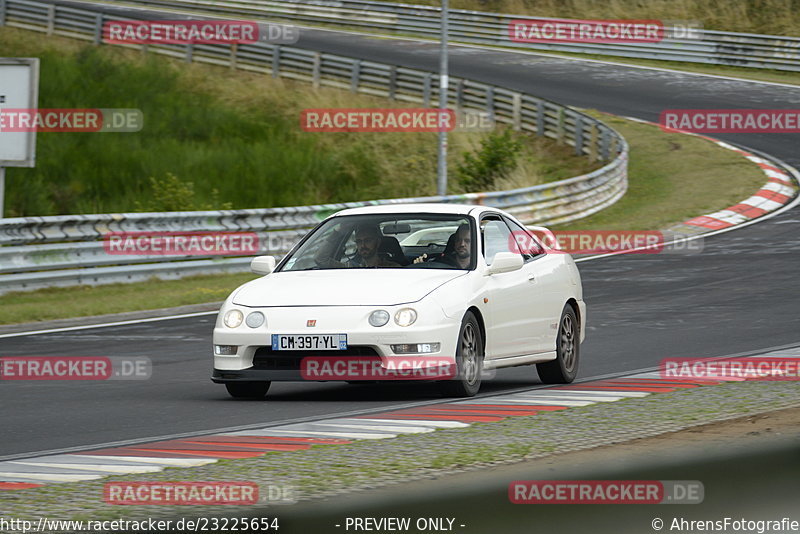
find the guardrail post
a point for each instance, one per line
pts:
(98, 29)
(593, 155)
(51, 19)
(604, 144)
(355, 76)
(392, 82)
(560, 127)
(189, 52)
(276, 61)
(460, 94)
(234, 49)
(426, 90)
(516, 111)
(490, 102)
(316, 67)
(540, 118)
(3, 8)
(578, 135)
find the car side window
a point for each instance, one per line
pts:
(496, 238)
(526, 242)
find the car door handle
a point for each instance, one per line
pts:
(531, 278)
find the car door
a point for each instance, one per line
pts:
(509, 321)
(545, 274)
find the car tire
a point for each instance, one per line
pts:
(469, 360)
(247, 390)
(564, 368)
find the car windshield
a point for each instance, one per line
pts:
(397, 241)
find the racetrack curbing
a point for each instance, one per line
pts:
(781, 188)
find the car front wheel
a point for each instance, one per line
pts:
(564, 368)
(469, 360)
(247, 390)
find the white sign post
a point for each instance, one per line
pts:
(19, 89)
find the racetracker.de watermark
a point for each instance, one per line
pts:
(94, 120)
(730, 120)
(730, 369)
(393, 368)
(585, 31)
(239, 493)
(542, 30)
(603, 242)
(393, 120)
(75, 368)
(197, 31)
(606, 492)
(182, 243)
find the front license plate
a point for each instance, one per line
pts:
(309, 341)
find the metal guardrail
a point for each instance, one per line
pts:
(713, 47)
(64, 250)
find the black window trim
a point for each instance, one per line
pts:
(527, 257)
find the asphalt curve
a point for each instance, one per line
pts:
(737, 295)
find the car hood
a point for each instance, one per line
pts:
(343, 287)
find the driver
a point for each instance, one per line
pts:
(368, 240)
(461, 253)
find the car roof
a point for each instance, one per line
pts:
(459, 209)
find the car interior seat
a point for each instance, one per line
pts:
(391, 247)
(449, 249)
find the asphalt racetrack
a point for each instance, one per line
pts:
(738, 295)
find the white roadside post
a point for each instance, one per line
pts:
(441, 175)
(19, 89)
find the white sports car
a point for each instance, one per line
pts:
(412, 291)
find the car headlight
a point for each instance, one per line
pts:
(233, 318)
(254, 319)
(379, 318)
(405, 316)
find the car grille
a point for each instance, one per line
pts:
(289, 360)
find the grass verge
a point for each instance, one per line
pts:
(83, 301)
(672, 177)
(216, 138)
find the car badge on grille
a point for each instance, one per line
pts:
(311, 322)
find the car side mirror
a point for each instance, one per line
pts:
(505, 262)
(262, 264)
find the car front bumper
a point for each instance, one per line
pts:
(254, 359)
